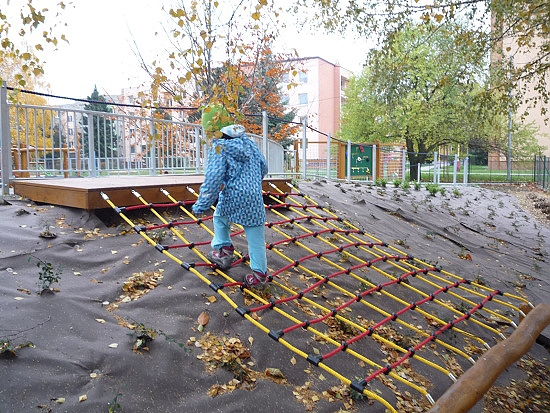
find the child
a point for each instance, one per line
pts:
(235, 162)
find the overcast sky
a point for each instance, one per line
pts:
(101, 35)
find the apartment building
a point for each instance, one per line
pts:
(317, 96)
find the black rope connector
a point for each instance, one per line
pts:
(242, 311)
(358, 297)
(191, 245)
(296, 263)
(159, 247)
(387, 369)
(270, 246)
(215, 286)
(272, 303)
(334, 312)
(413, 305)
(370, 330)
(315, 359)
(186, 265)
(358, 386)
(344, 345)
(394, 317)
(139, 228)
(199, 221)
(412, 351)
(300, 295)
(326, 278)
(276, 335)
(319, 254)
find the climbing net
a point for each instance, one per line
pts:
(387, 324)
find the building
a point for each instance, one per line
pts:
(317, 96)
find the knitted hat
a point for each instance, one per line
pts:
(214, 117)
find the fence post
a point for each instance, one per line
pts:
(91, 146)
(264, 133)
(5, 140)
(328, 156)
(304, 147)
(348, 156)
(374, 163)
(466, 167)
(404, 164)
(455, 169)
(435, 168)
(198, 138)
(152, 149)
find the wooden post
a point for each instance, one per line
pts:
(65, 158)
(473, 384)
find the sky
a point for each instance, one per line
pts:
(103, 35)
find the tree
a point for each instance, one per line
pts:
(105, 140)
(417, 88)
(26, 20)
(524, 21)
(222, 53)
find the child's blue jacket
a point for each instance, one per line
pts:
(238, 165)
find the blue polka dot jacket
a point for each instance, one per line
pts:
(235, 162)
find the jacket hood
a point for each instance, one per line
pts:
(238, 146)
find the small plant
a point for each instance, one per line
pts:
(47, 230)
(457, 193)
(47, 275)
(417, 185)
(433, 189)
(8, 349)
(144, 335)
(405, 184)
(114, 405)
(381, 182)
(442, 191)
(397, 182)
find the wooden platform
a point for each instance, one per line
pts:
(85, 193)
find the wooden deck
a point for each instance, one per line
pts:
(85, 193)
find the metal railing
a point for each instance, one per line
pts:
(49, 142)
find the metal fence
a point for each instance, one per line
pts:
(50, 142)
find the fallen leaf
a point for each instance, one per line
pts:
(274, 372)
(24, 290)
(113, 345)
(203, 318)
(293, 361)
(251, 340)
(59, 400)
(83, 398)
(212, 298)
(100, 320)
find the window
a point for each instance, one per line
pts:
(285, 78)
(302, 98)
(70, 131)
(284, 100)
(303, 77)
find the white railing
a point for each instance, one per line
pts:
(48, 142)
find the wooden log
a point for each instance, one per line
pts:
(479, 378)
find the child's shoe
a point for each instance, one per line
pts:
(223, 258)
(255, 279)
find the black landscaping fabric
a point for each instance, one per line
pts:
(204, 356)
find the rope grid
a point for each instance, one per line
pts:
(356, 307)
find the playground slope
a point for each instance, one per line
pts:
(82, 356)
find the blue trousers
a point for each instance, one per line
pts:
(255, 237)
